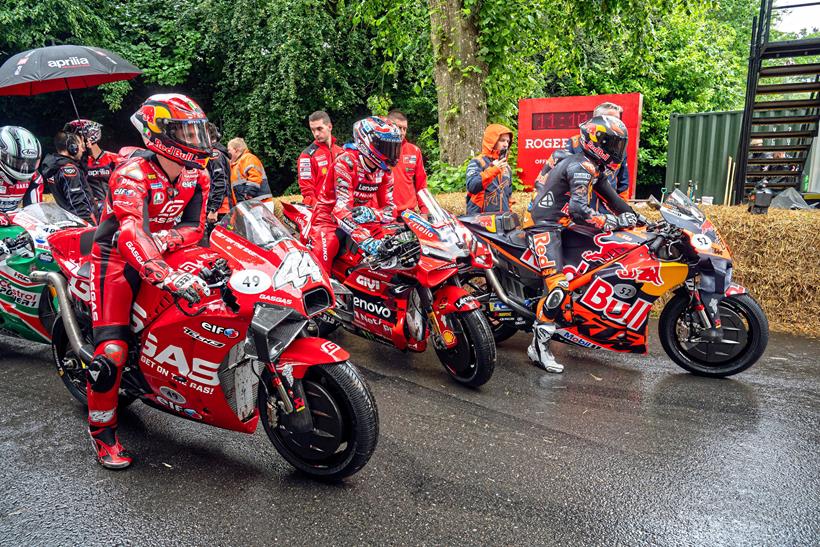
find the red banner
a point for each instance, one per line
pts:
(546, 124)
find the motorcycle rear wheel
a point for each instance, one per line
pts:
(745, 336)
(345, 419)
(472, 361)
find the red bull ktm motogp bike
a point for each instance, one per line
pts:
(710, 326)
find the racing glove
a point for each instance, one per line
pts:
(4, 250)
(167, 240)
(5, 219)
(627, 220)
(363, 215)
(185, 285)
(370, 245)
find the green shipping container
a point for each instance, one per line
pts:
(702, 148)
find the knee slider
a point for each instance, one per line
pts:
(103, 369)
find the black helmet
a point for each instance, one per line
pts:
(604, 141)
(19, 152)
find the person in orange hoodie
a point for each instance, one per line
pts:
(489, 177)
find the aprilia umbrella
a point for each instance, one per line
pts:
(55, 68)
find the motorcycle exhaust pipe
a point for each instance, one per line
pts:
(72, 328)
(502, 294)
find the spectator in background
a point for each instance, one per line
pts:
(409, 176)
(489, 177)
(248, 178)
(618, 179)
(315, 161)
(98, 162)
(65, 177)
(219, 168)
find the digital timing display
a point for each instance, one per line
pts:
(559, 120)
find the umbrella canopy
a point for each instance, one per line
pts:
(59, 68)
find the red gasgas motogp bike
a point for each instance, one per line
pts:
(410, 290)
(238, 356)
(614, 278)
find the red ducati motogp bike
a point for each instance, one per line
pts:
(237, 357)
(410, 290)
(710, 326)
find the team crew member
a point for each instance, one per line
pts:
(564, 198)
(489, 177)
(20, 183)
(409, 174)
(99, 163)
(315, 161)
(618, 179)
(248, 178)
(65, 177)
(219, 169)
(157, 203)
(361, 177)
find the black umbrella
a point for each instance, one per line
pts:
(57, 68)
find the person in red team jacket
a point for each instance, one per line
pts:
(409, 174)
(316, 160)
(360, 178)
(157, 203)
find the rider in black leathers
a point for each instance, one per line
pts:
(564, 198)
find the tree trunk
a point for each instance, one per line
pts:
(462, 103)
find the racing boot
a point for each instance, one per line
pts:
(539, 350)
(109, 451)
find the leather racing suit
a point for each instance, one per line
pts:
(353, 185)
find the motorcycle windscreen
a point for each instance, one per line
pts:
(254, 221)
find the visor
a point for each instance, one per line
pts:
(192, 134)
(389, 149)
(615, 146)
(19, 166)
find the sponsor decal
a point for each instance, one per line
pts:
(297, 269)
(199, 338)
(541, 244)
(172, 359)
(158, 198)
(80, 289)
(275, 299)
(575, 339)
(610, 246)
(330, 348)
(177, 408)
(135, 252)
(124, 192)
(227, 332)
(71, 62)
(376, 308)
(69, 171)
(420, 226)
(250, 281)
(600, 297)
(369, 283)
(188, 184)
(465, 301)
(545, 143)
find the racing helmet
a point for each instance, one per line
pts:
(90, 130)
(174, 126)
(604, 139)
(20, 152)
(378, 140)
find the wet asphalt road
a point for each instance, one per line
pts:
(618, 450)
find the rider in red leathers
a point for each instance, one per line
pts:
(360, 177)
(20, 183)
(157, 203)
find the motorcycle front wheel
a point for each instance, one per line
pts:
(745, 336)
(472, 360)
(345, 423)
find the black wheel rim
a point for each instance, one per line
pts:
(460, 361)
(329, 436)
(735, 323)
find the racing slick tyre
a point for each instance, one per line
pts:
(72, 369)
(745, 336)
(472, 360)
(476, 285)
(345, 423)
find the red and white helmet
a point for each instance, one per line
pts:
(174, 126)
(378, 140)
(88, 129)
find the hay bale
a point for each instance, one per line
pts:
(776, 257)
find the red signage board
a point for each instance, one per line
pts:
(546, 124)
